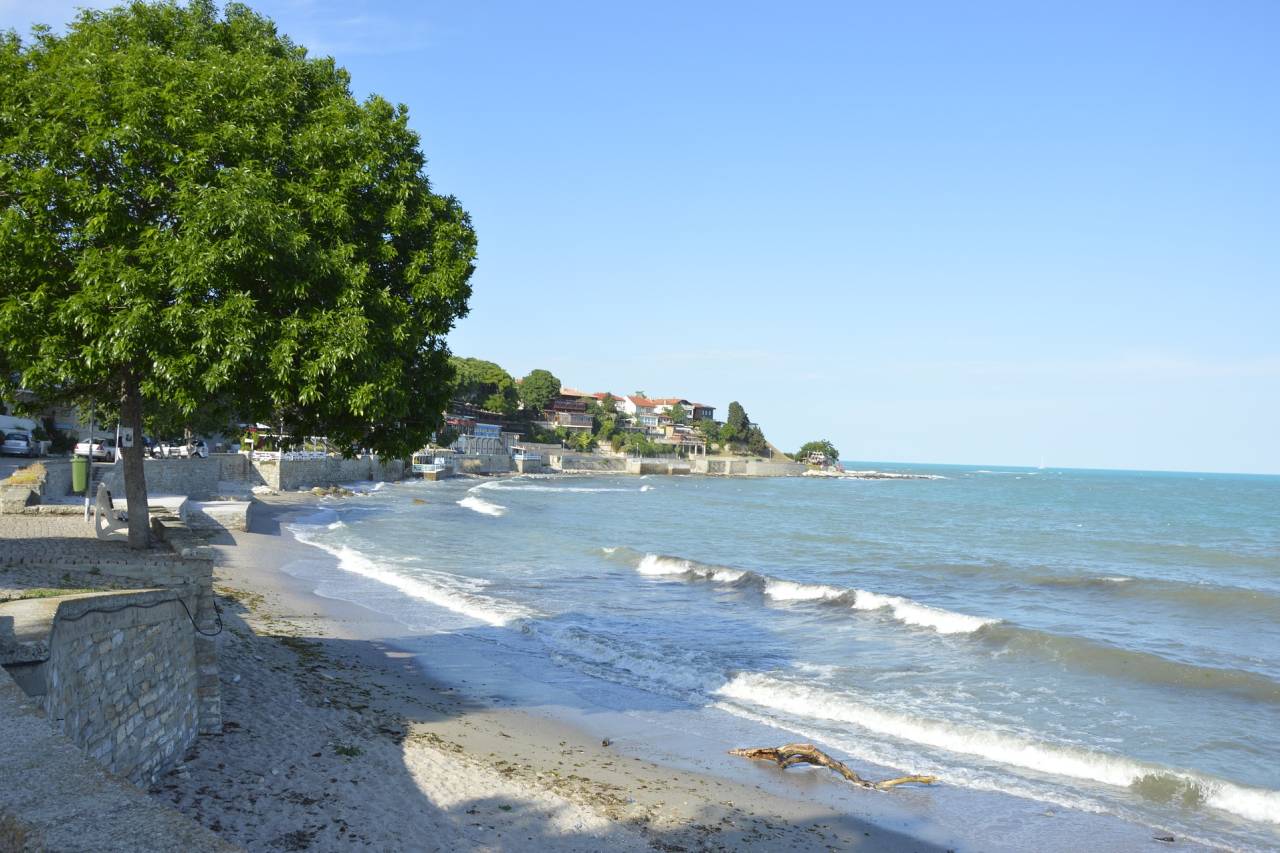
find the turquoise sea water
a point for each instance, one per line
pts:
(1106, 641)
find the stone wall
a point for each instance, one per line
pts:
(122, 680)
(57, 481)
(483, 463)
(286, 475)
(742, 467)
(185, 569)
(68, 802)
(587, 462)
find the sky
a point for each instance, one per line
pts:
(986, 232)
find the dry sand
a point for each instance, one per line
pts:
(334, 740)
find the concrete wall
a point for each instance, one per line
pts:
(123, 685)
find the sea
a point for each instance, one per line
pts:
(1085, 659)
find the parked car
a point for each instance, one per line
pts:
(18, 444)
(177, 448)
(97, 449)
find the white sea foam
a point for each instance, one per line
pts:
(804, 701)
(780, 590)
(337, 525)
(655, 564)
(905, 610)
(646, 488)
(439, 588)
(480, 505)
(914, 613)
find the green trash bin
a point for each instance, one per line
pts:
(79, 474)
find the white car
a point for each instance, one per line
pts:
(179, 449)
(97, 449)
(18, 444)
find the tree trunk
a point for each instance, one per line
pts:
(135, 478)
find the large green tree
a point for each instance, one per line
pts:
(538, 389)
(484, 384)
(197, 216)
(824, 447)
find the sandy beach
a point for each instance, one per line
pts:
(335, 738)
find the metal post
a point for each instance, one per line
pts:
(88, 481)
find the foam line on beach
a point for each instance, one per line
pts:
(801, 700)
(460, 595)
(904, 610)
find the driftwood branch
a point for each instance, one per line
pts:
(792, 754)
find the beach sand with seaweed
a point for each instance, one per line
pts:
(336, 738)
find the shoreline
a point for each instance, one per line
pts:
(337, 735)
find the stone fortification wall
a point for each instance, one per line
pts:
(587, 462)
(483, 463)
(236, 468)
(658, 466)
(291, 474)
(730, 467)
(122, 680)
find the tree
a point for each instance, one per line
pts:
(737, 421)
(678, 413)
(710, 431)
(824, 447)
(756, 444)
(538, 389)
(484, 384)
(609, 404)
(196, 216)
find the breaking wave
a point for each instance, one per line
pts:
(904, 610)
(482, 506)
(461, 595)
(1149, 781)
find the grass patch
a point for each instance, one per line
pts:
(32, 475)
(43, 592)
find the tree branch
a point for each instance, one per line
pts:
(791, 754)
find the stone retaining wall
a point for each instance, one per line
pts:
(122, 680)
(67, 802)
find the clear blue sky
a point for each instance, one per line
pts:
(953, 232)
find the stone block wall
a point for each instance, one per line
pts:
(57, 481)
(290, 474)
(122, 680)
(587, 462)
